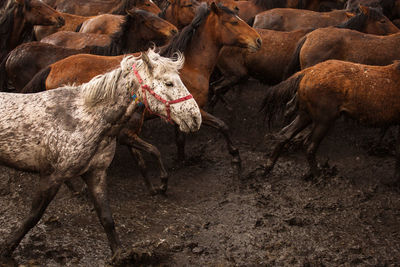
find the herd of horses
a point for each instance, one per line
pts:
(77, 76)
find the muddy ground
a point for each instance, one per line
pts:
(209, 217)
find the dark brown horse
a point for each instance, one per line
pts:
(133, 32)
(391, 8)
(72, 23)
(31, 58)
(249, 9)
(344, 44)
(95, 7)
(285, 19)
(179, 12)
(270, 62)
(368, 94)
(17, 19)
(201, 42)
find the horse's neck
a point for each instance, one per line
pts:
(20, 28)
(133, 40)
(203, 50)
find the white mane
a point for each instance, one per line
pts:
(105, 86)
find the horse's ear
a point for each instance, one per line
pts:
(215, 9)
(131, 11)
(363, 9)
(146, 61)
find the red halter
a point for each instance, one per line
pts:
(158, 97)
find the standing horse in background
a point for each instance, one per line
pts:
(179, 12)
(270, 63)
(285, 19)
(324, 92)
(72, 131)
(136, 31)
(344, 44)
(95, 7)
(17, 20)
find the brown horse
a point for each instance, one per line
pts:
(343, 44)
(270, 62)
(32, 57)
(391, 8)
(201, 42)
(134, 32)
(17, 20)
(179, 12)
(368, 94)
(95, 7)
(249, 9)
(72, 23)
(285, 19)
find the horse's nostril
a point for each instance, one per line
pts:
(173, 32)
(259, 42)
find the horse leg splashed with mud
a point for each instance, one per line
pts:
(71, 131)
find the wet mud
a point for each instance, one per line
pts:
(350, 216)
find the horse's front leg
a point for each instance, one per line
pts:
(48, 188)
(97, 186)
(221, 126)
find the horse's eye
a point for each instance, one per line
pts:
(147, 4)
(190, 5)
(383, 21)
(234, 22)
(236, 8)
(169, 84)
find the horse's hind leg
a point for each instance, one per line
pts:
(48, 188)
(97, 186)
(285, 135)
(318, 133)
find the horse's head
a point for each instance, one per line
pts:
(36, 12)
(232, 30)
(166, 95)
(179, 12)
(374, 22)
(147, 5)
(151, 27)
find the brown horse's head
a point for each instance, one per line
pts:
(179, 12)
(147, 5)
(152, 27)
(232, 30)
(36, 12)
(374, 22)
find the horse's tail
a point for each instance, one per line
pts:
(294, 64)
(38, 82)
(3, 74)
(277, 96)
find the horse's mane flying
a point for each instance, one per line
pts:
(358, 21)
(181, 41)
(269, 4)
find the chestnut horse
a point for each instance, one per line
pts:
(32, 57)
(95, 7)
(73, 130)
(179, 12)
(249, 9)
(133, 32)
(72, 23)
(17, 19)
(269, 64)
(285, 19)
(344, 44)
(201, 42)
(368, 94)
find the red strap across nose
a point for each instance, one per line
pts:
(157, 96)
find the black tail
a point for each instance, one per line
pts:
(277, 96)
(3, 74)
(38, 82)
(294, 64)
